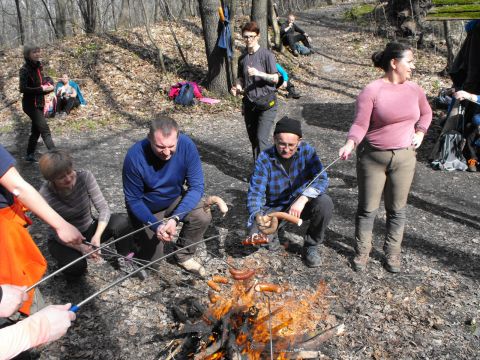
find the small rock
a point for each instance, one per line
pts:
(437, 342)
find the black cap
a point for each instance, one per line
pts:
(288, 125)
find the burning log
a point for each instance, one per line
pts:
(220, 279)
(214, 286)
(264, 287)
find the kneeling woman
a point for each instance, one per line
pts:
(71, 193)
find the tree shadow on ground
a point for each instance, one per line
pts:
(335, 116)
(149, 54)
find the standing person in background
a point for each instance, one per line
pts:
(21, 262)
(391, 120)
(33, 89)
(287, 33)
(257, 76)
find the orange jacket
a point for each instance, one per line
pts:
(21, 262)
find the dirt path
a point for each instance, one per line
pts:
(427, 311)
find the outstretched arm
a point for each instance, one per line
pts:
(31, 198)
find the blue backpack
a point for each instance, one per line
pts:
(185, 97)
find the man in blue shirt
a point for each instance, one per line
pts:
(155, 171)
(279, 183)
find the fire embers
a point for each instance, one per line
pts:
(248, 318)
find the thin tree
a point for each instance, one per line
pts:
(259, 15)
(124, 17)
(20, 22)
(88, 9)
(147, 27)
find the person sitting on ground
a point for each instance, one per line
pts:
(155, 171)
(21, 262)
(284, 82)
(279, 183)
(472, 132)
(71, 192)
(287, 33)
(68, 94)
(50, 107)
(49, 324)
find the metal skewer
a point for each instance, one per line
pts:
(103, 246)
(75, 308)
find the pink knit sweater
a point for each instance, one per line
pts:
(387, 114)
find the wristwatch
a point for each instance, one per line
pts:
(176, 218)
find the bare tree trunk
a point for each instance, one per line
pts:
(89, 14)
(20, 22)
(147, 27)
(52, 23)
(124, 20)
(217, 80)
(112, 2)
(273, 19)
(157, 11)
(232, 7)
(61, 17)
(448, 41)
(259, 15)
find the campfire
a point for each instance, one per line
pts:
(249, 319)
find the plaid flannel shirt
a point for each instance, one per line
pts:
(271, 188)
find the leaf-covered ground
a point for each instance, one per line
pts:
(429, 310)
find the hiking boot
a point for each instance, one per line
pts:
(472, 165)
(360, 261)
(127, 266)
(193, 266)
(311, 256)
(31, 158)
(392, 263)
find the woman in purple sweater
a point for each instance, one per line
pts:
(392, 117)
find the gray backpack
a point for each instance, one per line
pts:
(450, 156)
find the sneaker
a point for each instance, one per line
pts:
(472, 165)
(311, 256)
(360, 262)
(31, 158)
(193, 266)
(129, 267)
(392, 263)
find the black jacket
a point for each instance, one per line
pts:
(290, 31)
(31, 79)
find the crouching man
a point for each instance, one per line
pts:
(155, 170)
(279, 183)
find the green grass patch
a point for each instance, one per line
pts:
(462, 9)
(455, 2)
(358, 12)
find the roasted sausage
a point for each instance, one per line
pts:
(243, 274)
(264, 287)
(287, 217)
(213, 285)
(255, 239)
(216, 200)
(213, 297)
(220, 279)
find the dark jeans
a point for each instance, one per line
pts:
(259, 126)
(319, 212)
(39, 128)
(118, 226)
(291, 39)
(67, 104)
(194, 226)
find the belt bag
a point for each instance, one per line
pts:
(263, 103)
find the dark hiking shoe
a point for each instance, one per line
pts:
(311, 256)
(360, 262)
(31, 158)
(392, 263)
(472, 165)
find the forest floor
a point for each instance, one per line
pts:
(428, 311)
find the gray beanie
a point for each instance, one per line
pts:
(27, 48)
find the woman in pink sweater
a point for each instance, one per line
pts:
(392, 117)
